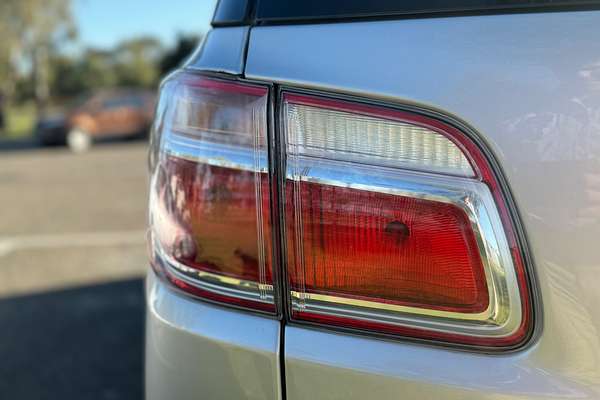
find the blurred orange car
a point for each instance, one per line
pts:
(106, 115)
(110, 114)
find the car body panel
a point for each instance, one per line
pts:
(222, 50)
(330, 365)
(196, 350)
(529, 84)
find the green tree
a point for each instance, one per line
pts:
(30, 31)
(133, 63)
(9, 46)
(136, 62)
(173, 58)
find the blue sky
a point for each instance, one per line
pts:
(104, 23)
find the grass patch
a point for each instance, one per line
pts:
(20, 120)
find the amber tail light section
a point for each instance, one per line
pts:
(210, 207)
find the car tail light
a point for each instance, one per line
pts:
(387, 221)
(394, 223)
(210, 207)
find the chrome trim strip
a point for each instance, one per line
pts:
(503, 315)
(259, 166)
(219, 284)
(217, 154)
(323, 298)
(222, 50)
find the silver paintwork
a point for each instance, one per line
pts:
(328, 365)
(194, 350)
(221, 51)
(530, 85)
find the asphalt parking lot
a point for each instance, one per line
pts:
(72, 260)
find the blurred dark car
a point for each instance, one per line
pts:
(51, 130)
(106, 115)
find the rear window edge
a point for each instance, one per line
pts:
(257, 17)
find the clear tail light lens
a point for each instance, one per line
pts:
(209, 207)
(394, 223)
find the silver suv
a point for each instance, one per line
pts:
(382, 199)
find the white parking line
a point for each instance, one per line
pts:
(86, 239)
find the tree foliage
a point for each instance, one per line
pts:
(133, 63)
(29, 30)
(136, 61)
(174, 57)
(33, 63)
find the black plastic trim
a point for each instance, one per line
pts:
(266, 12)
(233, 12)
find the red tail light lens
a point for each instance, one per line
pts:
(210, 211)
(399, 250)
(392, 226)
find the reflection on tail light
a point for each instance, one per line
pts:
(210, 212)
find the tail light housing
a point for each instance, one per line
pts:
(395, 224)
(209, 202)
(374, 219)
